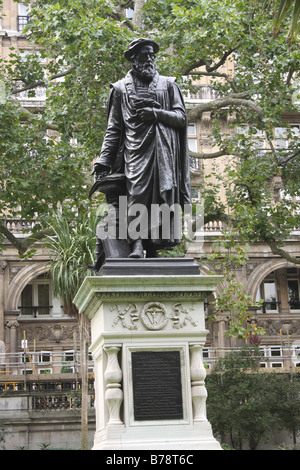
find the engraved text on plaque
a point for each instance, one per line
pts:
(157, 390)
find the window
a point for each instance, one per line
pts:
(281, 144)
(38, 93)
(296, 129)
(193, 146)
(45, 356)
(68, 362)
(26, 300)
(275, 354)
(69, 356)
(268, 293)
(296, 354)
(35, 298)
(43, 298)
(259, 146)
(192, 137)
(43, 362)
(280, 291)
(275, 351)
(195, 194)
(23, 16)
(129, 13)
(191, 129)
(293, 294)
(284, 134)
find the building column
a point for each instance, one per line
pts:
(284, 306)
(221, 334)
(12, 324)
(3, 265)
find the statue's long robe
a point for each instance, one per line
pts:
(153, 155)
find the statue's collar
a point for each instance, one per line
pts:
(130, 83)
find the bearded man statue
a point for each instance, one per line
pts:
(146, 140)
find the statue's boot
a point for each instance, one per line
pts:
(137, 251)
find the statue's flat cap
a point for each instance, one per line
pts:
(137, 44)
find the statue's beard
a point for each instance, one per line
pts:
(144, 71)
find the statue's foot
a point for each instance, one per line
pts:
(138, 251)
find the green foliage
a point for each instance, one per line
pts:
(283, 9)
(40, 167)
(246, 406)
(265, 78)
(2, 435)
(228, 255)
(84, 42)
(72, 250)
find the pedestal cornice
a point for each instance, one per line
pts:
(148, 287)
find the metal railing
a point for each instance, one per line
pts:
(39, 94)
(35, 310)
(50, 385)
(57, 402)
(202, 93)
(39, 367)
(41, 362)
(269, 357)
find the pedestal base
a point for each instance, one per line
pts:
(160, 437)
(148, 331)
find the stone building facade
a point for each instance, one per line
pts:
(31, 317)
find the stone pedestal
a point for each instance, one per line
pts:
(148, 332)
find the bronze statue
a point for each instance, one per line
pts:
(146, 140)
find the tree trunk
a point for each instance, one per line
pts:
(138, 13)
(83, 322)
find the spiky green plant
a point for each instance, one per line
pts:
(72, 249)
(283, 8)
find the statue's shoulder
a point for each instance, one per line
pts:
(166, 82)
(171, 79)
(167, 79)
(118, 86)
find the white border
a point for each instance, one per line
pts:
(128, 388)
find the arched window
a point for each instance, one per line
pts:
(37, 300)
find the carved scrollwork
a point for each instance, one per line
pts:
(153, 316)
(53, 333)
(284, 327)
(129, 311)
(181, 317)
(3, 265)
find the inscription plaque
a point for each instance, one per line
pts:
(157, 391)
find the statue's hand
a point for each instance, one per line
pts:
(100, 171)
(146, 114)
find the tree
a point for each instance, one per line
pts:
(246, 406)
(228, 255)
(41, 169)
(72, 249)
(289, 404)
(84, 43)
(206, 34)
